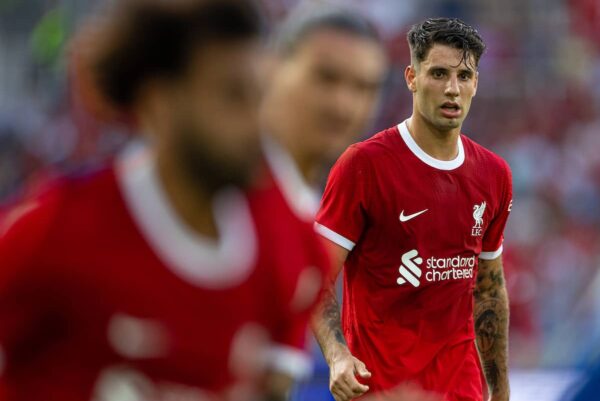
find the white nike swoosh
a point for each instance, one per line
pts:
(404, 218)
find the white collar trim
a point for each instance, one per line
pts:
(201, 261)
(300, 196)
(425, 158)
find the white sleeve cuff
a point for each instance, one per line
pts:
(291, 361)
(334, 237)
(491, 255)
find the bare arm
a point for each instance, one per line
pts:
(491, 326)
(277, 386)
(326, 322)
(326, 325)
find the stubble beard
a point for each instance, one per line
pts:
(209, 168)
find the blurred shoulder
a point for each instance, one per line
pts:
(32, 218)
(287, 233)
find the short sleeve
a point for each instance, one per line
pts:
(494, 234)
(289, 352)
(343, 212)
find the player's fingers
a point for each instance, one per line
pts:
(341, 389)
(339, 395)
(354, 385)
(336, 395)
(353, 388)
(361, 369)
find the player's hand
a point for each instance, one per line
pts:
(343, 382)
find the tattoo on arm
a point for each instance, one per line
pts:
(327, 322)
(331, 313)
(491, 326)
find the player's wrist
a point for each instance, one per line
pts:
(501, 392)
(337, 352)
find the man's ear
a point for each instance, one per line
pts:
(410, 74)
(476, 82)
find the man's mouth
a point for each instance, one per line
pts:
(451, 110)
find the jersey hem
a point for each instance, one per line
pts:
(334, 237)
(491, 255)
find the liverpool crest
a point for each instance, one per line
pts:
(478, 210)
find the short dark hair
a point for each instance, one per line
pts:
(303, 22)
(446, 31)
(144, 39)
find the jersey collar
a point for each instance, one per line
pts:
(199, 260)
(303, 199)
(425, 158)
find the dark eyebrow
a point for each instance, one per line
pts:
(445, 69)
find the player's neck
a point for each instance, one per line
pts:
(441, 145)
(191, 202)
(307, 166)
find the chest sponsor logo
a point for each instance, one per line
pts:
(435, 269)
(478, 211)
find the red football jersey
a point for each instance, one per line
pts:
(415, 227)
(105, 293)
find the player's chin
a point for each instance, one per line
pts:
(241, 174)
(446, 123)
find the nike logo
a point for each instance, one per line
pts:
(404, 219)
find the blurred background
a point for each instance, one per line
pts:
(538, 106)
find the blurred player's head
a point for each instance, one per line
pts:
(329, 69)
(443, 75)
(187, 71)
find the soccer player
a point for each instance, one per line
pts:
(329, 67)
(417, 215)
(168, 275)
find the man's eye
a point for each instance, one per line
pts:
(464, 77)
(327, 77)
(438, 74)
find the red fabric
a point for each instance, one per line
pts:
(402, 332)
(74, 259)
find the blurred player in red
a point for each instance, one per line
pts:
(328, 71)
(177, 272)
(417, 213)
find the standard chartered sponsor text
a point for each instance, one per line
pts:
(451, 268)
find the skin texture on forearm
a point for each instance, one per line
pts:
(327, 325)
(491, 317)
(326, 321)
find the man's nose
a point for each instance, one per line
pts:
(343, 100)
(452, 88)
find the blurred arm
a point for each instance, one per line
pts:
(278, 386)
(491, 326)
